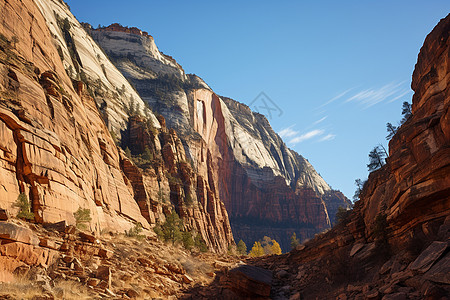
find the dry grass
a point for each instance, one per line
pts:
(28, 289)
(71, 290)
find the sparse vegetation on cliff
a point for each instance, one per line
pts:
(82, 218)
(242, 248)
(24, 206)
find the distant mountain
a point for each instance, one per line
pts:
(267, 188)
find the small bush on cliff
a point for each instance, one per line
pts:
(294, 241)
(342, 214)
(82, 218)
(171, 229)
(380, 234)
(188, 241)
(24, 207)
(242, 248)
(135, 231)
(200, 243)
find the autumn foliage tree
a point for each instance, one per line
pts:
(294, 241)
(257, 250)
(267, 246)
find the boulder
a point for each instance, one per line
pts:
(17, 233)
(104, 274)
(250, 281)
(3, 215)
(440, 272)
(428, 257)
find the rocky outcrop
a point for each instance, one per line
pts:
(169, 179)
(260, 180)
(58, 261)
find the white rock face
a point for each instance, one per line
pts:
(141, 49)
(111, 87)
(253, 142)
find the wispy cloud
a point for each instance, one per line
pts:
(306, 136)
(287, 132)
(370, 97)
(319, 121)
(338, 96)
(328, 137)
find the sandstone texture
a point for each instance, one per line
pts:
(261, 181)
(64, 110)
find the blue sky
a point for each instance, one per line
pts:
(337, 70)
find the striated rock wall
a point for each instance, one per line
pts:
(394, 243)
(55, 146)
(412, 191)
(247, 164)
(63, 108)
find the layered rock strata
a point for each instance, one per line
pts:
(64, 107)
(260, 180)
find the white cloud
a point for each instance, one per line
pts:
(320, 120)
(336, 97)
(287, 132)
(370, 97)
(328, 137)
(306, 136)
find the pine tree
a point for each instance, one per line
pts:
(24, 207)
(188, 241)
(391, 129)
(359, 187)
(171, 228)
(294, 241)
(242, 248)
(406, 112)
(377, 158)
(200, 243)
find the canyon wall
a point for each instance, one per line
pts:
(260, 180)
(394, 243)
(64, 107)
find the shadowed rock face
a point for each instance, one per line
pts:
(259, 179)
(63, 107)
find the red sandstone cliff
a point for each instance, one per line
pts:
(394, 243)
(63, 106)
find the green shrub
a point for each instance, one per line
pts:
(188, 241)
(135, 231)
(380, 234)
(342, 214)
(200, 243)
(24, 207)
(242, 248)
(82, 218)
